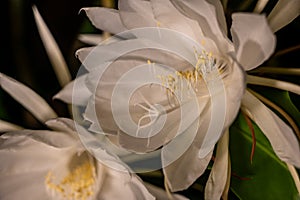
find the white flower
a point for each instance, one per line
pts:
(41, 164)
(252, 43)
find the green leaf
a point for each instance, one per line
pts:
(267, 178)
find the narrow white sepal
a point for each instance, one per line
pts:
(284, 12)
(295, 176)
(279, 70)
(92, 39)
(255, 80)
(280, 135)
(55, 56)
(27, 98)
(260, 5)
(6, 126)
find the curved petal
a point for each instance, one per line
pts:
(51, 138)
(256, 80)
(278, 70)
(99, 18)
(178, 174)
(281, 137)
(22, 154)
(99, 149)
(62, 124)
(210, 17)
(79, 97)
(161, 194)
(6, 126)
(295, 176)
(283, 13)
(25, 186)
(235, 85)
(131, 10)
(253, 39)
(55, 56)
(91, 39)
(260, 5)
(28, 98)
(220, 14)
(130, 185)
(138, 6)
(218, 176)
(168, 16)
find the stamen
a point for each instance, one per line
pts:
(207, 67)
(78, 184)
(158, 23)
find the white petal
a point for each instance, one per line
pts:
(130, 185)
(220, 15)
(178, 174)
(6, 126)
(75, 92)
(218, 176)
(51, 138)
(62, 124)
(235, 85)
(140, 7)
(90, 115)
(131, 10)
(55, 56)
(184, 171)
(279, 70)
(281, 136)
(161, 194)
(27, 157)
(98, 149)
(295, 176)
(168, 16)
(22, 154)
(260, 5)
(283, 13)
(27, 186)
(210, 17)
(28, 98)
(92, 39)
(150, 38)
(273, 83)
(253, 39)
(99, 17)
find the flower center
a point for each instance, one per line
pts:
(208, 68)
(78, 184)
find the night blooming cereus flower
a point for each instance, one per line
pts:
(53, 164)
(170, 82)
(41, 164)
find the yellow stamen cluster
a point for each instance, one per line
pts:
(205, 64)
(77, 185)
(174, 82)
